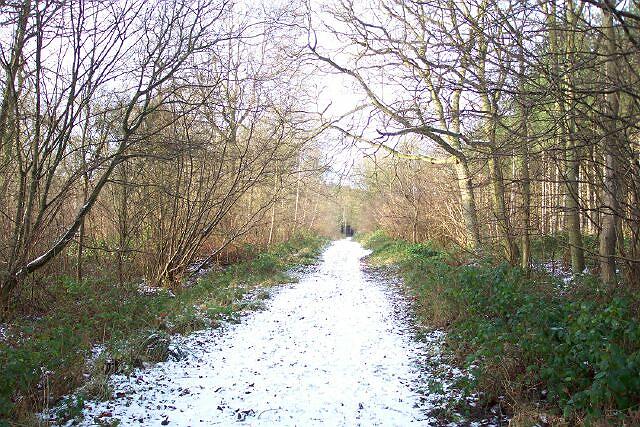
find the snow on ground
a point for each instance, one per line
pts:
(557, 269)
(146, 289)
(562, 272)
(4, 331)
(333, 349)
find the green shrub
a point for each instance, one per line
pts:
(422, 250)
(266, 263)
(578, 353)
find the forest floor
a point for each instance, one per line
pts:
(339, 347)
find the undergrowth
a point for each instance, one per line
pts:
(48, 356)
(559, 358)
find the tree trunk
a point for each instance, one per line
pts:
(414, 224)
(526, 210)
(609, 213)
(79, 265)
(573, 210)
(572, 157)
(634, 225)
(525, 178)
(499, 205)
(297, 199)
(9, 95)
(468, 202)
(7, 284)
(273, 208)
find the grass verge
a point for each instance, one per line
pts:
(46, 357)
(553, 358)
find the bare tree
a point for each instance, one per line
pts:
(76, 53)
(407, 67)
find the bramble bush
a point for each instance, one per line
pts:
(575, 353)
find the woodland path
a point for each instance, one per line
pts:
(335, 349)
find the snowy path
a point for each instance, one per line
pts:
(329, 350)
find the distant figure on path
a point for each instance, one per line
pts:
(346, 230)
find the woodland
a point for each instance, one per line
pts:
(153, 155)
